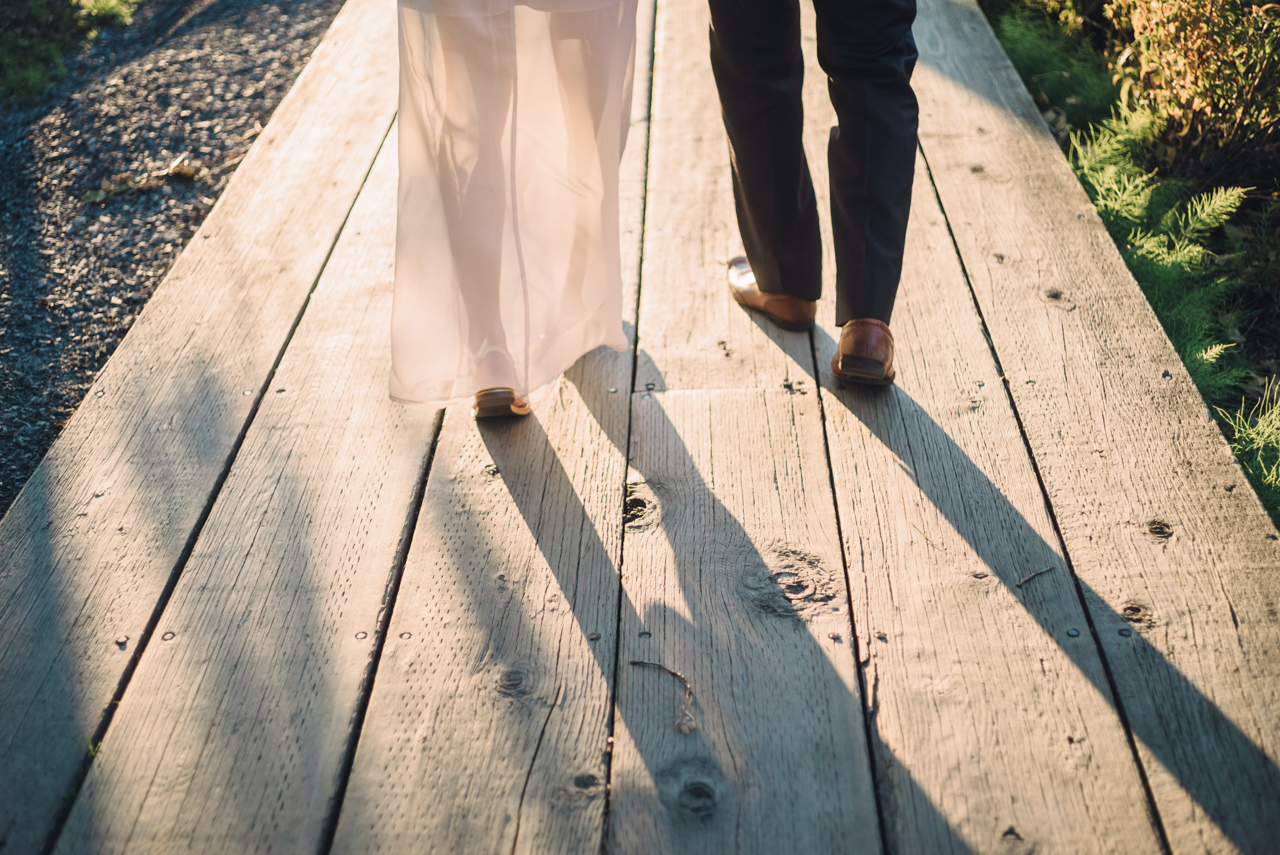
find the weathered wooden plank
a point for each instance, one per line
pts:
(96, 535)
(990, 714)
(488, 726)
(705, 340)
(234, 729)
(733, 574)
(1174, 553)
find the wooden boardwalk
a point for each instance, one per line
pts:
(1024, 602)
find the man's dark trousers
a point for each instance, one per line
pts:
(867, 52)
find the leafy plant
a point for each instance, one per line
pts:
(1255, 255)
(1063, 74)
(1211, 70)
(36, 34)
(1075, 18)
(1178, 99)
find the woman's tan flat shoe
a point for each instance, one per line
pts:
(492, 403)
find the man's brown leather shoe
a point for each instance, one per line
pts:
(865, 354)
(788, 312)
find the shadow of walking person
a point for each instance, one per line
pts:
(1174, 724)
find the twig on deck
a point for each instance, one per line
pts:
(1032, 576)
(684, 721)
(926, 538)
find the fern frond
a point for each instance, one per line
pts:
(1204, 213)
(1213, 352)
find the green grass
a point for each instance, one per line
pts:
(1256, 441)
(1060, 72)
(1199, 262)
(35, 35)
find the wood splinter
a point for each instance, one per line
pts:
(684, 721)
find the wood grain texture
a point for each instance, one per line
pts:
(488, 727)
(695, 336)
(995, 729)
(488, 724)
(233, 731)
(1175, 555)
(733, 574)
(96, 534)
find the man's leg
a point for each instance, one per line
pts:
(759, 70)
(866, 49)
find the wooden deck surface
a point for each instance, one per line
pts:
(1023, 602)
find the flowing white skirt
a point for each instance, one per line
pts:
(513, 116)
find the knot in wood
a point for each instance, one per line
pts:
(512, 682)
(1136, 613)
(639, 508)
(787, 582)
(698, 799)
(692, 789)
(1057, 298)
(1159, 531)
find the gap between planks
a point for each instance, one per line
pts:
(237, 728)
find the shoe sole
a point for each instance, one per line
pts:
(858, 370)
(786, 325)
(497, 403)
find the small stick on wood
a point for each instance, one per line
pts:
(1032, 576)
(684, 721)
(927, 540)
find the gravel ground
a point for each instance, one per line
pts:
(162, 111)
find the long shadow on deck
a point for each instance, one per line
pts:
(698, 793)
(66, 671)
(1210, 759)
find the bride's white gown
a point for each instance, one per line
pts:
(513, 116)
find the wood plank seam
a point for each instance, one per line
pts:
(499, 542)
(649, 47)
(144, 639)
(1157, 820)
(91, 542)
(275, 618)
(870, 694)
(730, 575)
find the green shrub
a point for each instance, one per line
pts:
(1176, 106)
(1255, 257)
(1075, 18)
(36, 34)
(1211, 70)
